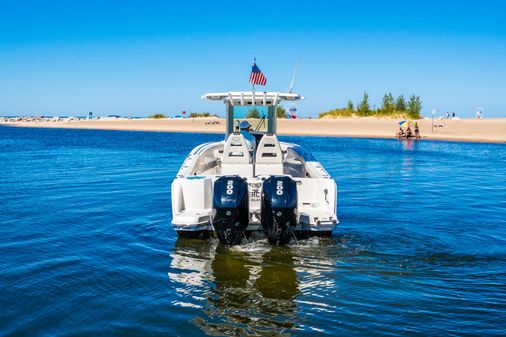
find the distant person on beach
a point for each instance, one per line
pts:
(401, 132)
(409, 133)
(453, 114)
(447, 115)
(245, 127)
(478, 114)
(417, 131)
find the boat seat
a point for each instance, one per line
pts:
(269, 157)
(236, 159)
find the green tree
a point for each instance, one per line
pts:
(158, 116)
(388, 103)
(400, 104)
(350, 106)
(392, 101)
(414, 107)
(280, 112)
(253, 113)
(363, 107)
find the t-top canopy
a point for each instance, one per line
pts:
(253, 98)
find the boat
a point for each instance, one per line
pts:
(234, 191)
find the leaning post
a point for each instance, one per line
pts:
(433, 114)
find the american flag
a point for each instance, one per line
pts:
(257, 77)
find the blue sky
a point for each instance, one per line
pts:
(143, 57)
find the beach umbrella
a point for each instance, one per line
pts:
(406, 123)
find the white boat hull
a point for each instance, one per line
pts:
(192, 194)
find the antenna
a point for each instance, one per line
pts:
(290, 89)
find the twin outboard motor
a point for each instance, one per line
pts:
(231, 209)
(279, 209)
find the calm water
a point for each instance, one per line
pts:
(87, 247)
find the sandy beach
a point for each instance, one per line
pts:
(474, 130)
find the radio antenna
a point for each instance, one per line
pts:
(290, 89)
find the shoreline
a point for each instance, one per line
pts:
(462, 130)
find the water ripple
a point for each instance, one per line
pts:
(87, 247)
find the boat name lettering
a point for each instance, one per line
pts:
(254, 195)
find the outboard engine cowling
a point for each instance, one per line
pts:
(230, 209)
(279, 209)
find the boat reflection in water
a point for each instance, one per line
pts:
(249, 289)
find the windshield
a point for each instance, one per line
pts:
(257, 116)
